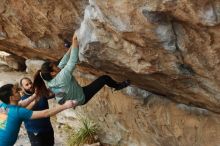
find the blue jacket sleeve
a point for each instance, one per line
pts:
(72, 60)
(64, 61)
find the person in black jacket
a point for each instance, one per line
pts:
(40, 131)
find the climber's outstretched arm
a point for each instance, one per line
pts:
(66, 57)
(51, 112)
(73, 58)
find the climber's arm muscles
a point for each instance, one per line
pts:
(65, 59)
(73, 55)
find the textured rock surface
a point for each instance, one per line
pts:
(138, 118)
(36, 29)
(13, 61)
(33, 65)
(168, 47)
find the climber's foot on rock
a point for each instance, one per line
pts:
(123, 85)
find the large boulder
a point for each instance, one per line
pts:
(139, 118)
(36, 29)
(13, 61)
(170, 48)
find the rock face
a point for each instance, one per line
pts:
(168, 47)
(138, 118)
(13, 61)
(36, 29)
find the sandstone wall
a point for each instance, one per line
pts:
(137, 118)
(168, 47)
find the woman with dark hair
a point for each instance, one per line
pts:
(12, 115)
(61, 82)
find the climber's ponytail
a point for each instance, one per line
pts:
(39, 85)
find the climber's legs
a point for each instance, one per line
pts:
(91, 89)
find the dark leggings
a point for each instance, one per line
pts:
(41, 139)
(91, 89)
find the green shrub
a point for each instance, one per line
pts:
(85, 134)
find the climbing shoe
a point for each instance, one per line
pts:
(123, 84)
